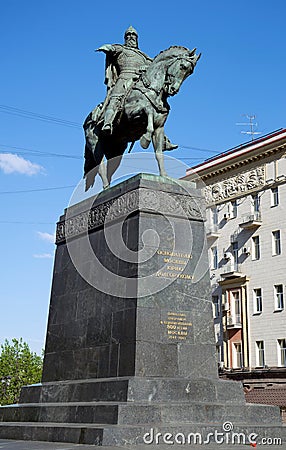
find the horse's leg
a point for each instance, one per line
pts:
(158, 143)
(90, 165)
(146, 138)
(103, 173)
(112, 166)
(100, 166)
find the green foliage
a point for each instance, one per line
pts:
(19, 366)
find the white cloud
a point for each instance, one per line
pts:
(43, 256)
(46, 237)
(11, 163)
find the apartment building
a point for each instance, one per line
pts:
(245, 193)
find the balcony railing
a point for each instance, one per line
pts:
(212, 232)
(251, 220)
(234, 237)
(231, 270)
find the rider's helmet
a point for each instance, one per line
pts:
(131, 37)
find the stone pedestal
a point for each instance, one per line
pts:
(130, 341)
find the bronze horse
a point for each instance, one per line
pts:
(143, 115)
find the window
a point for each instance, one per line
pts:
(218, 353)
(274, 196)
(257, 300)
(214, 217)
(214, 258)
(233, 209)
(260, 357)
(235, 307)
(237, 355)
(255, 247)
(235, 251)
(279, 300)
(256, 203)
(276, 243)
(282, 352)
(217, 333)
(216, 305)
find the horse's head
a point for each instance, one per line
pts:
(179, 69)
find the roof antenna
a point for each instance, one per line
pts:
(251, 124)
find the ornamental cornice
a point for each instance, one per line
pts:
(142, 199)
(228, 167)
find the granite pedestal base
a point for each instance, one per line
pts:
(130, 341)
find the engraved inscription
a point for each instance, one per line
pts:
(177, 326)
(174, 265)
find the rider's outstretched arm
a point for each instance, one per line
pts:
(106, 48)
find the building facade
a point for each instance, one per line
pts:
(245, 193)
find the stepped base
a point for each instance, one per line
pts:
(131, 389)
(120, 411)
(125, 436)
(138, 414)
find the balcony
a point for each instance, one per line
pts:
(212, 232)
(234, 321)
(234, 237)
(231, 270)
(251, 221)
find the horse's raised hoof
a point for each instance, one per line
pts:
(170, 147)
(144, 142)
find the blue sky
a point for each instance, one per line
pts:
(48, 67)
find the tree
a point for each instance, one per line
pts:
(19, 366)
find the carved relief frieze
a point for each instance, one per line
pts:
(235, 186)
(143, 199)
(171, 204)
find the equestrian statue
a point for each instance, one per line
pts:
(135, 107)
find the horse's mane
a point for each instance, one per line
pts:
(156, 71)
(174, 50)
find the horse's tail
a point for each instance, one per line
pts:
(90, 163)
(90, 167)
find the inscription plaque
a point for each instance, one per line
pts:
(177, 325)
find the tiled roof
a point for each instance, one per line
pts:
(267, 396)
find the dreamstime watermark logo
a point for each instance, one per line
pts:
(166, 240)
(225, 436)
